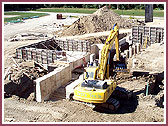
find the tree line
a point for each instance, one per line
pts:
(13, 7)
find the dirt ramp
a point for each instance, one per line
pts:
(102, 20)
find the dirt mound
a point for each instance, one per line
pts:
(20, 80)
(102, 20)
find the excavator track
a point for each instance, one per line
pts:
(113, 104)
(84, 103)
(110, 106)
(121, 93)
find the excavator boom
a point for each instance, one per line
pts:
(103, 67)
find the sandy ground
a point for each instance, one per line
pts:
(36, 24)
(139, 109)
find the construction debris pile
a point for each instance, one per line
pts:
(28, 36)
(28, 68)
(19, 79)
(102, 20)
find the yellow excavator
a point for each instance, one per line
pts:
(98, 86)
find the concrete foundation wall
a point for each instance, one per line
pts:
(49, 83)
(80, 61)
(95, 49)
(74, 45)
(70, 88)
(152, 34)
(40, 55)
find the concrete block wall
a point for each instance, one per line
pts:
(49, 83)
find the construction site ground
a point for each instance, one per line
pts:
(140, 108)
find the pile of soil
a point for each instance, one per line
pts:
(101, 39)
(102, 20)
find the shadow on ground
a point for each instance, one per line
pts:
(23, 87)
(130, 105)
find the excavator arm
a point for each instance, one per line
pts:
(103, 66)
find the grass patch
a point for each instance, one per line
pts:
(22, 15)
(68, 10)
(156, 13)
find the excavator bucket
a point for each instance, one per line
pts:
(120, 66)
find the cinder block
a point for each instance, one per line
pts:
(138, 47)
(71, 66)
(65, 81)
(50, 82)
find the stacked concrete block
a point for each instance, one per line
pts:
(39, 55)
(58, 79)
(77, 63)
(87, 57)
(74, 45)
(139, 34)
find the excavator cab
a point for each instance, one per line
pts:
(90, 73)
